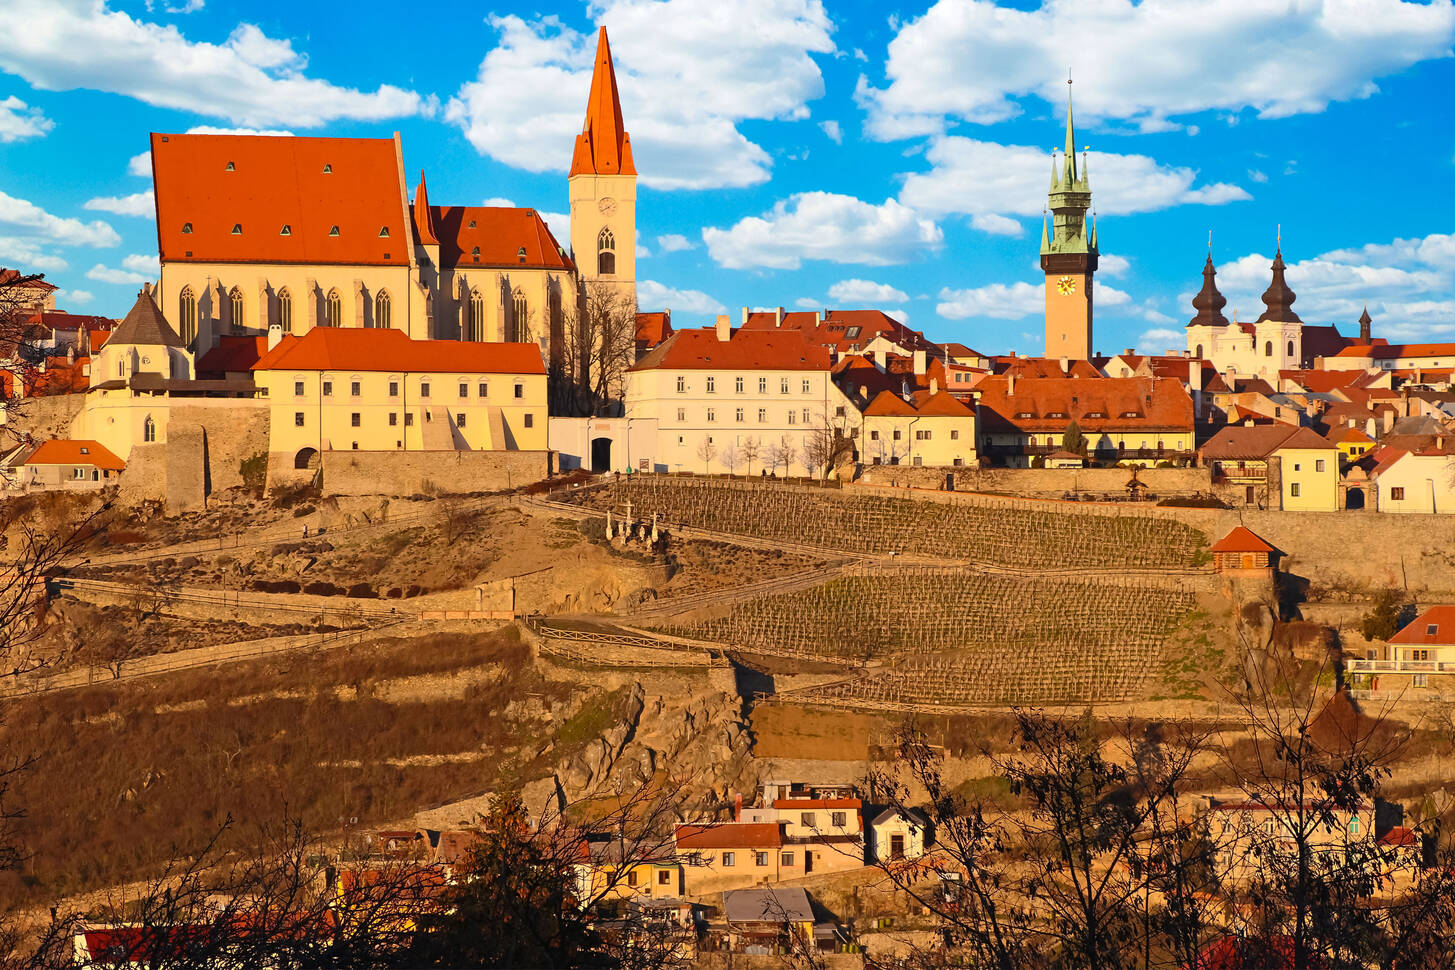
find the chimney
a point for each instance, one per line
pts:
(778, 317)
(724, 328)
(667, 315)
(1009, 385)
(745, 316)
(275, 334)
(1388, 419)
(1194, 384)
(738, 807)
(934, 386)
(1129, 351)
(919, 362)
(1065, 365)
(818, 317)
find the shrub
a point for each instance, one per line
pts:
(321, 588)
(363, 591)
(254, 472)
(1382, 620)
(593, 529)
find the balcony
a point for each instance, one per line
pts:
(1400, 666)
(1233, 474)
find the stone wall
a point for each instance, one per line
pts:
(44, 417)
(207, 442)
(236, 430)
(431, 472)
(1042, 482)
(145, 477)
(186, 464)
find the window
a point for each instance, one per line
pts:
(1430, 628)
(519, 317)
(605, 253)
(297, 419)
(148, 431)
(783, 385)
(1293, 490)
(681, 384)
(285, 310)
(483, 390)
(1354, 825)
(1268, 349)
(78, 473)
(1290, 349)
(808, 820)
(519, 391)
(298, 388)
(792, 417)
(954, 436)
(187, 314)
(424, 389)
(786, 859)
(464, 390)
(711, 415)
(874, 436)
(333, 311)
(235, 307)
(738, 416)
(408, 419)
(712, 385)
(333, 230)
(354, 420)
(475, 325)
(681, 414)
(631, 877)
(393, 418)
(805, 415)
(530, 420)
(762, 415)
(1319, 465)
(393, 388)
(520, 255)
(475, 251)
(286, 231)
(921, 436)
(762, 385)
(460, 419)
(328, 388)
(729, 858)
(382, 309)
(738, 382)
(806, 386)
(838, 819)
(237, 229)
(1396, 494)
(664, 877)
(186, 228)
(1419, 680)
(896, 434)
(383, 232)
(760, 858)
(354, 388)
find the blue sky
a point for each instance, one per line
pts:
(800, 154)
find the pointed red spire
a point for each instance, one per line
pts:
(603, 147)
(424, 216)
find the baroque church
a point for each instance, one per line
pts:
(261, 234)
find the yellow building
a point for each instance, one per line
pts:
(929, 428)
(604, 873)
(378, 390)
(1309, 473)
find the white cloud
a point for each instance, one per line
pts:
(1160, 340)
(832, 129)
(674, 243)
(1111, 296)
(143, 263)
(688, 72)
(981, 178)
(824, 226)
(1110, 264)
(76, 297)
(140, 165)
(996, 225)
(498, 202)
(560, 225)
(136, 204)
(972, 60)
(996, 300)
(250, 79)
(643, 252)
(1405, 283)
(865, 292)
(105, 274)
(808, 303)
(188, 6)
(898, 313)
(29, 256)
(28, 219)
(1257, 175)
(653, 295)
(19, 121)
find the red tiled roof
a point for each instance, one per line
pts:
(1127, 403)
(1350, 436)
(350, 349)
(276, 182)
(1261, 441)
(1400, 837)
(11, 275)
(843, 330)
(942, 404)
(888, 404)
(1418, 632)
(1242, 539)
(653, 328)
(1027, 367)
(500, 234)
(422, 215)
(60, 376)
(603, 147)
(60, 320)
(63, 451)
(730, 835)
(745, 350)
(1322, 381)
(232, 354)
(803, 803)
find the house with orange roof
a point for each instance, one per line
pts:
(1353, 443)
(1274, 466)
(1393, 357)
(61, 464)
(927, 428)
(1417, 480)
(1420, 655)
(1242, 552)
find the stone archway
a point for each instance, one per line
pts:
(306, 458)
(1354, 498)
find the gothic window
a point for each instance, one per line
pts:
(235, 303)
(1199, 351)
(285, 310)
(382, 309)
(149, 430)
(1290, 348)
(521, 316)
(334, 311)
(606, 253)
(187, 314)
(1268, 349)
(477, 317)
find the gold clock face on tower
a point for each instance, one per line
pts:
(606, 206)
(1066, 285)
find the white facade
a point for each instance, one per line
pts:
(896, 835)
(1418, 483)
(1249, 349)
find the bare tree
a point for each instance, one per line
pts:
(18, 349)
(600, 345)
(825, 447)
(787, 453)
(751, 451)
(730, 459)
(707, 451)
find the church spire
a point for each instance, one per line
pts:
(1070, 137)
(603, 147)
(1278, 298)
(1209, 302)
(1365, 322)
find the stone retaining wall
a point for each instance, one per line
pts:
(431, 472)
(1042, 482)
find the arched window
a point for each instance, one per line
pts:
(334, 311)
(606, 253)
(521, 317)
(187, 314)
(381, 310)
(477, 317)
(1268, 349)
(149, 430)
(1199, 351)
(1290, 348)
(285, 310)
(235, 304)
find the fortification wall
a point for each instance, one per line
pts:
(186, 467)
(236, 430)
(145, 477)
(44, 417)
(430, 472)
(1042, 482)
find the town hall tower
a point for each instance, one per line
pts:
(1069, 254)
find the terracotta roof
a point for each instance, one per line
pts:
(232, 354)
(60, 376)
(422, 215)
(803, 803)
(63, 451)
(942, 404)
(10, 276)
(744, 350)
(1348, 435)
(888, 404)
(729, 835)
(1400, 837)
(1322, 381)
(1418, 631)
(1097, 405)
(1235, 442)
(1242, 539)
(145, 325)
(960, 350)
(653, 328)
(60, 320)
(350, 349)
(1027, 367)
(603, 147)
(846, 331)
(260, 184)
(499, 234)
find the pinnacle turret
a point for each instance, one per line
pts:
(1069, 198)
(1278, 298)
(1209, 302)
(1365, 322)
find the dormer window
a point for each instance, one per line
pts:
(186, 228)
(85, 450)
(475, 252)
(286, 231)
(1023, 414)
(327, 169)
(230, 167)
(472, 223)
(520, 254)
(237, 228)
(383, 232)
(333, 230)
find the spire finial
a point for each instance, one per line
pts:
(1209, 244)
(1280, 237)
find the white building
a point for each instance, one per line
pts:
(895, 834)
(1417, 482)
(1272, 343)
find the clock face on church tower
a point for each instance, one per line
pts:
(1066, 286)
(606, 206)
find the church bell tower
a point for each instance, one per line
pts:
(603, 185)
(1068, 253)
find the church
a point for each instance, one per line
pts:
(259, 233)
